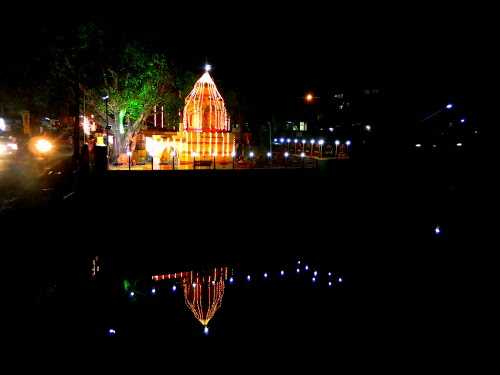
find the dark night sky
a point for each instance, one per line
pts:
(274, 54)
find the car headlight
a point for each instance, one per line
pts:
(43, 146)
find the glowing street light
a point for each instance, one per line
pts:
(282, 273)
(231, 280)
(111, 332)
(132, 294)
(251, 154)
(298, 270)
(269, 155)
(368, 128)
(462, 120)
(348, 143)
(337, 142)
(248, 278)
(460, 144)
(153, 291)
(282, 140)
(437, 230)
(309, 98)
(3, 126)
(321, 143)
(174, 288)
(265, 275)
(418, 145)
(43, 146)
(449, 106)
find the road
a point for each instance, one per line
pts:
(27, 182)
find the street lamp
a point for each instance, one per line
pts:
(337, 143)
(282, 140)
(288, 142)
(302, 155)
(214, 155)
(348, 143)
(295, 145)
(312, 146)
(449, 106)
(286, 158)
(321, 143)
(233, 154)
(309, 98)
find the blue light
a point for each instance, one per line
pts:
(298, 262)
(205, 331)
(275, 140)
(462, 120)
(315, 273)
(306, 267)
(174, 288)
(265, 275)
(329, 283)
(329, 274)
(153, 291)
(449, 106)
(339, 280)
(248, 278)
(313, 279)
(231, 280)
(111, 332)
(437, 230)
(282, 140)
(282, 273)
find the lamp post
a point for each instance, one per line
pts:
(193, 154)
(288, 144)
(302, 155)
(106, 100)
(348, 143)
(233, 154)
(312, 146)
(321, 142)
(269, 156)
(337, 142)
(286, 158)
(303, 145)
(448, 107)
(214, 155)
(295, 142)
(129, 154)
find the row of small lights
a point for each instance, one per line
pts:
(321, 142)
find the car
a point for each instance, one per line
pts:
(8, 146)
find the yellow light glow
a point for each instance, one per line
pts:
(43, 146)
(309, 97)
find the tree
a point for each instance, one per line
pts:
(135, 86)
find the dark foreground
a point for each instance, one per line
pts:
(372, 222)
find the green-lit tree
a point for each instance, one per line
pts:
(135, 86)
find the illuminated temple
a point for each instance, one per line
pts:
(205, 131)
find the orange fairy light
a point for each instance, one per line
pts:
(203, 291)
(204, 109)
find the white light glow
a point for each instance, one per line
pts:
(286, 154)
(269, 154)
(302, 154)
(3, 126)
(348, 143)
(303, 141)
(368, 128)
(282, 140)
(208, 67)
(295, 140)
(282, 273)
(251, 154)
(321, 142)
(337, 142)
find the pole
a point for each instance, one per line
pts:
(270, 142)
(129, 161)
(173, 163)
(214, 162)
(152, 162)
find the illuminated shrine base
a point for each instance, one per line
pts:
(205, 145)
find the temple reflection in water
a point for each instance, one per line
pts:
(203, 291)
